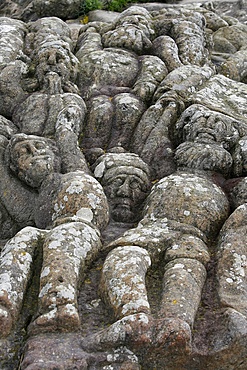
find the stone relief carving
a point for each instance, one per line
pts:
(74, 201)
(125, 144)
(180, 232)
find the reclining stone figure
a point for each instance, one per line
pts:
(70, 210)
(117, 74)
(56, 101)
(179, 221)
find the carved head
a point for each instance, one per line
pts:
(200, 124)
(207, 139)
(133, 30)
(125, 179)
(32, 158)
(138, 16)
(51, 44)
(55, 56)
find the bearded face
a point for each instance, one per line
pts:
(207, 157)
(33, 161)
(57, 59)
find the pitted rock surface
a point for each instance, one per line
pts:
(123, 199)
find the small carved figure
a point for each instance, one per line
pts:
(125, 180)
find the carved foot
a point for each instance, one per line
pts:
(5, 322)
(142, 332)
(62, 319)
(232, 331)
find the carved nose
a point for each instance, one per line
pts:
(124, 189)
(52, 58)
(32, 149)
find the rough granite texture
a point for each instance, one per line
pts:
(123, 197)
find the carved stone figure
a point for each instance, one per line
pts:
(75, 209)
(125, 180)
(56, 110)
(106, 59)
(208, 140)
(116, 77)
(157, 95)
(179, 220)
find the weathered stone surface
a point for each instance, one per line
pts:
(96, 271)
(232, 265)
(126, 182)
(47, 352)
(65, 9)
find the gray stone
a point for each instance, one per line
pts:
(102, 16)
(96, 270)
(64, 10)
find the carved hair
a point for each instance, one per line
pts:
(121, 162)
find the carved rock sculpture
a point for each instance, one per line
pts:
(123, 187)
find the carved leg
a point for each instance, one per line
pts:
(123, 280)
(232, 262)
(15, 270)
(182, 286)
(67, 250)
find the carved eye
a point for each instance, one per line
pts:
(117, 182)
(39, 145)
(134, 184)
(23, 151)
(59, 58)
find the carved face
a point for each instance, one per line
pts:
(125, 192)
(133, 30)
(202, 125)
(139, 17)
(206, 157)
(33, 159)
(56, 59)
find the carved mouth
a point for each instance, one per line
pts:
(40, 158)
(202, 136)
(122, 203)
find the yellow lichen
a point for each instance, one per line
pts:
(84, 20)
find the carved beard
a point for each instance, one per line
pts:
(122, 210)
(207, 157)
